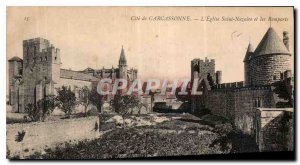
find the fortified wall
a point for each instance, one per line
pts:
(268, 83)
(46, 135)
(274, 129)
(238, 103)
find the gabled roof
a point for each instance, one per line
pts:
(271, 44)
(70, 74)
(249, 52)
(15, 58)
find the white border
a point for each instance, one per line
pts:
(6, 3)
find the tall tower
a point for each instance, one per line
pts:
(41, 66)
(15, 69)
(202, 68)
(247, 58)
(122, 65)
(15, 81)
(218, 77)
(270, 60)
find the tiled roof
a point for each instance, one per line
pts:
(271, 44)
(70, 74)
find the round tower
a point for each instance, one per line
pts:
(15, 68)
(247, 58)
(270, 59)
(15, 73)
(218, 77)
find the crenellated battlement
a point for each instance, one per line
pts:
(201, 61)
(202, 68)
(238, 86)
(35, 41)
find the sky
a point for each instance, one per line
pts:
(93, 36)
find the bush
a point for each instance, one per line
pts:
(223, 129)
(93, 112)
(133, 142)
(33, 112)
(65, 100)
(20, 136)
(205, 111)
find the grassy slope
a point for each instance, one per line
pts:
(172, 138)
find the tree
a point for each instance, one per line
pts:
(84, 100)
(95, 98)
(43, 108)
(152, 94)
(66, 100)
(123, 103)
(32, 112)
(46, 106)
(286, 98)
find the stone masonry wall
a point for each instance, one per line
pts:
(238, 105)
(38, 59)
(274, 129)
(42, 135)
(202, 67)
(266, 69)
(220, 102)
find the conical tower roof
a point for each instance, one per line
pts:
(122, 60)
(249, 52)
(271, 44)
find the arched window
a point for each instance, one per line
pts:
(41, 58)
(45, 58)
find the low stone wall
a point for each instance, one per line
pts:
(275, 129)
(43, 135)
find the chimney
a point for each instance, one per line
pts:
(286, 39)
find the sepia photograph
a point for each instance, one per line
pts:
(115, 83)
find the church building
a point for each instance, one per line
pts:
(39, 73)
